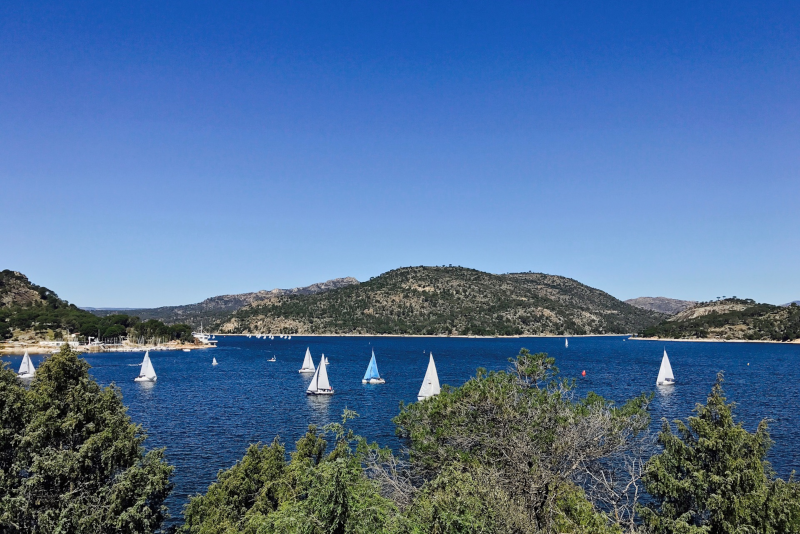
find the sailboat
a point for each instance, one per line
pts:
(308, 363)
(326, 360)
(319, 382)
(430, 384)
(26, 369)
(147, 374)
(273, 359)
(213, 361)
(372, 376)
(665, 376)
(566, 343)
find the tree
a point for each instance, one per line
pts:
(522, 433)
(72, 460)
(314, 493)
(712, 477)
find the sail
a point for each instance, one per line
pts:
(27, 365)
(213, 361)
(665, 375)
(372, 369)
(430, 384)
(312, 387)
(147, 368)
(566, 343)
(322, 379)
(308, 363)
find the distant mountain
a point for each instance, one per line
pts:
(731, 319)
(661, 304)
(797, 302)
(446, 301)
(214, 308)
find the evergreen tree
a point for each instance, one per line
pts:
(71, 460)
(712, 477)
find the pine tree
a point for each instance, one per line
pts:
(72, 460)
(712, 477)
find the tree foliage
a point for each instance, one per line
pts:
(712, 477)
(315, 492)
(71, 461)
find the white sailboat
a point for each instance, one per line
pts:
(147, 374)
(372, 376)
(26, 369)
(326, 360)
(566, 343)
(665, 376)
(308, 363)
(273, 359)
(319, 382)
(430, 384)
(213, 361)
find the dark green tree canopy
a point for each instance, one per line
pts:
(713, 477)
(72, 461)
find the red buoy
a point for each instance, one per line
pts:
(583, 373)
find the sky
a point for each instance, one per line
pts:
(159, 153)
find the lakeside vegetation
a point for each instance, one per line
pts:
(447, 301)
(731, 319)
(27, 307)
(514, 451)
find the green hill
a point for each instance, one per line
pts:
(731, 319)
(35, 312)
(446, 301)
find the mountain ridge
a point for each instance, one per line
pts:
(212, 308)
(446, 301)
(661, 304)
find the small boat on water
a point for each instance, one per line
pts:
(430, 384)
(326, 360)
(147, 374)
(272, 359)
(319, 382)
(372, 376)
(214, 361)
(308, 363)
(566, 343)
(187, 350)
(665, 376)
(26, 368)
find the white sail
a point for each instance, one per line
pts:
(312, 387)
(213, 361)
(26, 369)
(308, 363)
(322, 380)
(430, 384)
(566, 343)
(147, 373)
(665, 376)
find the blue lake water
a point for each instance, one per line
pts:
(207, 416)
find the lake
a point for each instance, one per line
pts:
(206, 415)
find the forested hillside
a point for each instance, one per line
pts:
(447, 301)
(29, 308)
(731, 319)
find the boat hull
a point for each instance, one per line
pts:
(144, 379)
(26, 376)
(306, 371)
(374, 381)
(666, 383)
(319, 392)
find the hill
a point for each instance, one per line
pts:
(34, 312)
(446, 301)
(661, 304)
(731, 319)
(214, 308)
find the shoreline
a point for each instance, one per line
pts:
(429, 335)
(709, 340)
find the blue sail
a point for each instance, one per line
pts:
(372, 369)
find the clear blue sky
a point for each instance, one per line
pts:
(156, 153)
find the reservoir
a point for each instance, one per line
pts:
(206, 415)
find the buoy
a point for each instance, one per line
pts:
(583, 373)
(748, 363)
